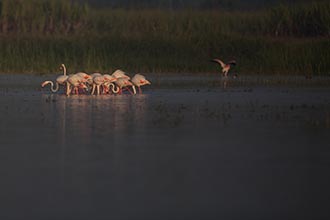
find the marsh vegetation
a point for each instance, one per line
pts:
(36, 36)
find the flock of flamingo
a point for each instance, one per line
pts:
(115, 83)
(97, 83)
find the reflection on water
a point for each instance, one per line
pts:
(87, 119)
(93, 126)
(224, 82)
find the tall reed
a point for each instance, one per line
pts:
(38, 35)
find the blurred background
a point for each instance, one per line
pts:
(163, 36)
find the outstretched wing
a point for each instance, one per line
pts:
(220, 62)
(232, 62)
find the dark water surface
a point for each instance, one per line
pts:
(190, 152)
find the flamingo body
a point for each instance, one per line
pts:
(225, 66)
(76, 82)
(139, 80)
(120, 74)
(123, 82)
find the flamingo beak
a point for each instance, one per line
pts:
(43, 84)
(145, 82)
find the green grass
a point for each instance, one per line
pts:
(38, 35)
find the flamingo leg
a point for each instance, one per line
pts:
(93, 89)
(65, 88)
(140, 90)
(103, 89)
(129, 91)
(98, 89)
(68, 90)
(106, 89)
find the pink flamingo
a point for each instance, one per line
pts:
(120, 74)
(123, 82)
(139, 80)
(60, 80)
(225, 66)
(105, 81)
(76, 82)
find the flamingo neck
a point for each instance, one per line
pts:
(56, 87)
(52, 86)
(64, 70)
(114, 90)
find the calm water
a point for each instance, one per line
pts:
(176, 152)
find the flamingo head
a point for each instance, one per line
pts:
(84, 79)
(128, 83)
(145, 82)
(44, 83)
(83, 86)
(90, 81)
(112, 79)
(87, 77)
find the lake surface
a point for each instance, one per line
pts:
(187, 148)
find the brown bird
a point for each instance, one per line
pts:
(225, 66)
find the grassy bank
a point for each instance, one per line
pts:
(255, 56)
(153, 40)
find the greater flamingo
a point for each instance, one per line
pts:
(84, 76)
(120, 74)
(76, 82)
(123, 82)
(225, 66)
(90, 80)
(60, 80)
(108, 81)
(105, 81)
(139, 80)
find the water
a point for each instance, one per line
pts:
(176, 152)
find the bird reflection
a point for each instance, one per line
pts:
(85, 120)
(224, 82)
(90, 127)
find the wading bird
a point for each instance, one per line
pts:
(139, 80)
(60, 80)
(84, 76)
(108, 82)
(123, 83)
(105, 81)
(225, 66)
(120, 74)
(77, 82)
